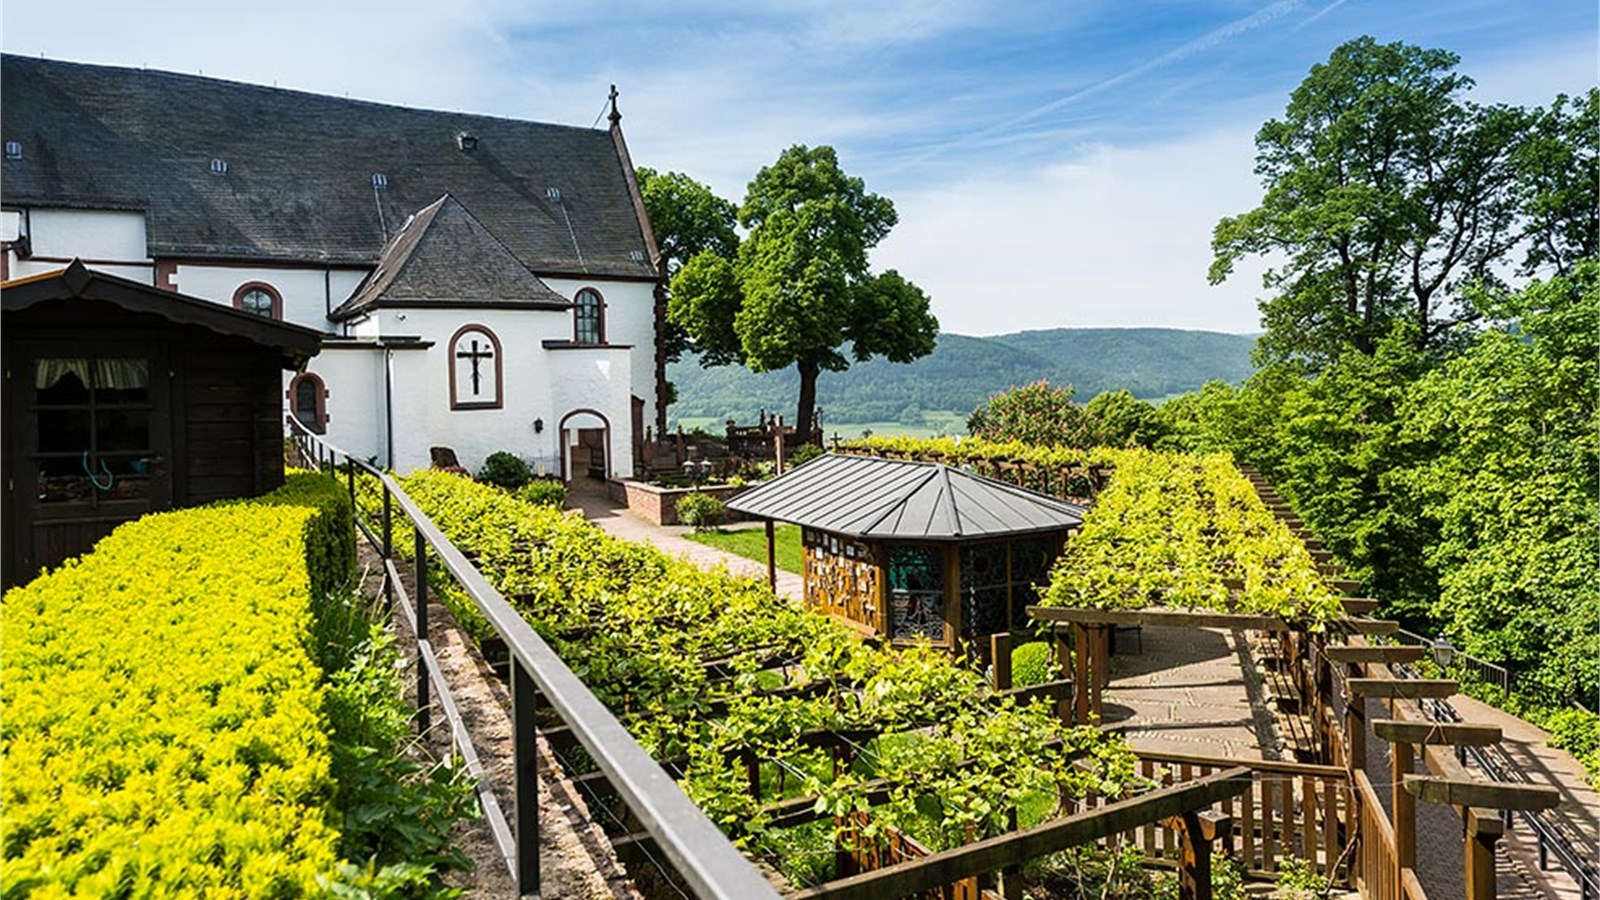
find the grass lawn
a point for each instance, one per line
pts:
(751, 543)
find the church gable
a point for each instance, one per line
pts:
(444, 256)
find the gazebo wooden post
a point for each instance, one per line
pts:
(1404, 808)
(772, 558)
(1000, 659)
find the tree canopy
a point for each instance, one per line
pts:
(1387, 192)
(798, 287)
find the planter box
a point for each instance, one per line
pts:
(660, 504)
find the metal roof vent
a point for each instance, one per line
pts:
(13, 149)
(219, 167)
(553, 194)
(636, 255)
(379, 181)
(466, 141)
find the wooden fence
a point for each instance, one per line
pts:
(1378, 874)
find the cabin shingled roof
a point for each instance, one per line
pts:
(890, 499)
(299, 180)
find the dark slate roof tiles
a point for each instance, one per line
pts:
(444, 253)
(299, 169)
(886, 499)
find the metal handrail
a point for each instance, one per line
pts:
(1549, 838)
(703, 857)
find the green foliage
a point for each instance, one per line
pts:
(505, 470)
(799, 286)
(1386, 193)
(1558, 184)
(963, 371)
(1031, 664)
(804, 454)
(544, 492)
(1038, 414)
(164, 730)
(1298, 879)
(1175, 530)
(703, 511)
(1123, 420)
(634, 624)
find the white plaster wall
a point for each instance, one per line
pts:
(630, 319)
(89, 234)
(22, 268)
(355, 385)
(306, 292)
(596, 379)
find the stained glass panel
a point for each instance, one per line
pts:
(916, 593)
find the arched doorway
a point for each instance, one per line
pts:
(585, 438)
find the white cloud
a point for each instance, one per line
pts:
(1114, 238)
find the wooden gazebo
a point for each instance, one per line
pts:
(909, 550)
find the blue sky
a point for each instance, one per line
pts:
(1053, 163)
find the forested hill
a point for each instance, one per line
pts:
(963, 371)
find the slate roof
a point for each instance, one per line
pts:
(444, 255)
(299, 180)
(891, 499)
(79, 284)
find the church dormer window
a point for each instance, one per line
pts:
(475, 369)
(260, 299)
(589, 317)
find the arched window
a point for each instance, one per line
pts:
(308, 400)
(475, 369)
(259, 298)
(589, 317)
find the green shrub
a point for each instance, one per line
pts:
(1030, 664)
(804, 454)
(505, 470)
(703, 511)
(164, 730)
(543, 492)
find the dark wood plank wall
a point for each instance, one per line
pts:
(232, 415)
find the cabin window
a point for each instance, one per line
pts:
(589, 311)
(258, 298)
(475, 369)
(997, 584)
(916, 592)
(308, 399)
(95, 440)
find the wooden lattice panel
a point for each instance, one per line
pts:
(841, 577)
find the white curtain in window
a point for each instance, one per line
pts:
(117, 374)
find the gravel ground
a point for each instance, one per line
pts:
(576, 859)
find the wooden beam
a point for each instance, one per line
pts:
(1450, 734)
(918, 875)
(1489, 794)
(1391, 653)
(1364, 626)
(1402, 688)
(1359, 606)
(1056, 690)
(1182, 618)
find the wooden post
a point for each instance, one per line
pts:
(1405, 809)
(1194, 870)
(777, 448)
(772, 558)
(1064, 663)
(1000, 659)
(1355, 723)
(1480, 856)
(1081, 678)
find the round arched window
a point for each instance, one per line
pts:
(589, 317)
(259, 299)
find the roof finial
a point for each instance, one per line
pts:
(615, 116)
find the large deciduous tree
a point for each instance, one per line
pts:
(1386, 193)
(798, 288)
(687, 218)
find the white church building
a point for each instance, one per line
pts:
(483, 284)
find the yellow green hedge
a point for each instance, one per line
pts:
(163, 731)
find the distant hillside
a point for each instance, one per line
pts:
(963, 371)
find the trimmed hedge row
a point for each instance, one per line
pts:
(164, 730)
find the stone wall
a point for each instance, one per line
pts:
(660, 504)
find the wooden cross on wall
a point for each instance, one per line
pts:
(475, 356)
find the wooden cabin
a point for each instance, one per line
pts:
(122, 398)
(908, 550)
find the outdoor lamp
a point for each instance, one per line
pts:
(1443, 651)
(538, 426)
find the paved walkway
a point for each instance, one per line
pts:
(615, 518)
(1192, 691)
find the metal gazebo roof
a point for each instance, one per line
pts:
(892, 499)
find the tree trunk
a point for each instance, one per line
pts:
(808, 399)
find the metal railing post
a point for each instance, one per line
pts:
(525, 751)
(350, 468)
(422, 629)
